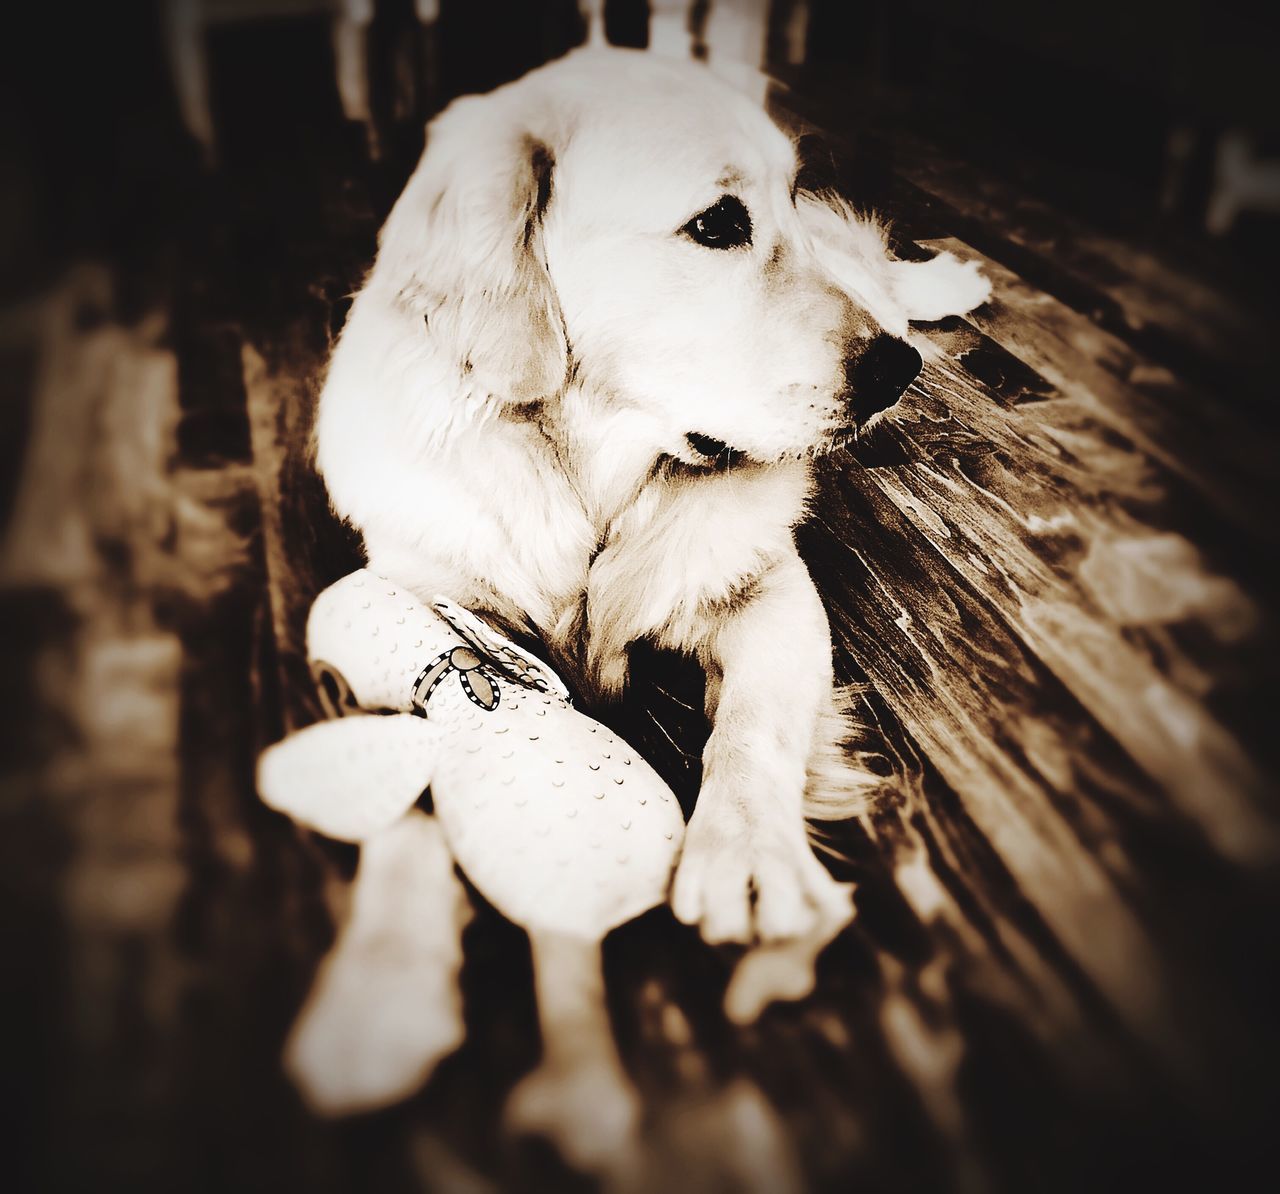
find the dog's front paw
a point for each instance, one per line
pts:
(742, 878)
(942, 286)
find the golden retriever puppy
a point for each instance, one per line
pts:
(579, 393)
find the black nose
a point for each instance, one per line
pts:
(880, 374)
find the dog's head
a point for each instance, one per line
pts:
(630, 230)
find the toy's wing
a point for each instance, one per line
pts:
(517, 663)
(352, 777)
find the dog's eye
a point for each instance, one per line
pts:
(724, 225)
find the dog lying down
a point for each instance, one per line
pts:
(580, 391)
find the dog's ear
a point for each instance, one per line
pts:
(854, 248)
(463, 249)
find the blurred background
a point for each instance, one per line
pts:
(1155, 121)
(191, 192)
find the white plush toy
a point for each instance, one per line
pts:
(557, 822)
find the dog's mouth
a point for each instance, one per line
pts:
(873, 441)
(715, 453)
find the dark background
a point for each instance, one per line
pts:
(1075, 102)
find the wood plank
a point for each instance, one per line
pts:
(304, 549)
(1163, 308)
(1052, 800)
(1211, 446)
(966, 691)
(1053, 525)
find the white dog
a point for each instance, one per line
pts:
(579, 393)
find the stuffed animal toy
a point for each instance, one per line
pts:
(554, 819)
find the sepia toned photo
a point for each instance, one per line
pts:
(640, 597)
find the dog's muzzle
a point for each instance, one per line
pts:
(879, 376)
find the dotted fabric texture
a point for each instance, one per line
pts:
(348, 779)
(556, 820)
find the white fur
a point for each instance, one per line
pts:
(505, 416)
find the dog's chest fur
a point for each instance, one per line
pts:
(590, 558)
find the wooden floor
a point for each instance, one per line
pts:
(1054, 572)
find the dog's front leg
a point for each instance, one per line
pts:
(747, 870)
